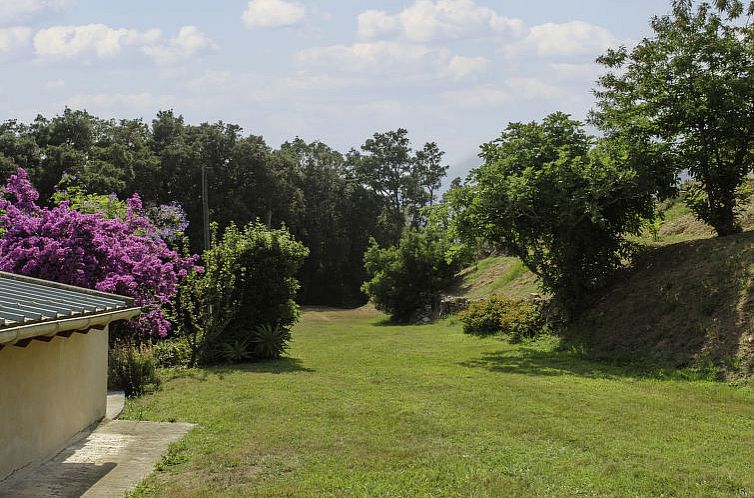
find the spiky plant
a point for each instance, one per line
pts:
(269, 341)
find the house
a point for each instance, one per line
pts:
(53, 365)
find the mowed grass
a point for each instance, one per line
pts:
(363, 408)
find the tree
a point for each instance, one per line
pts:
(563, 206)
(430, 170)
(322, 223)
(684, 100)
(412, 274)
(387, 166)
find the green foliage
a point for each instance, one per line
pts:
(132, 368)
(248, 281)
(483, 317)
(204, 305)
(499, 314)
(407, 277)
(108, 205)
(173, 352)
(546, 195)
(331, 203)
(334, 219)
(404, 181)
(680, 100)
(235, 351)
(269, 341)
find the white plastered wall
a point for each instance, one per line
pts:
(49, 391)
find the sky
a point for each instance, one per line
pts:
(453, 72)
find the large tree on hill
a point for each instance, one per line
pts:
(683, 100)
(561, 204)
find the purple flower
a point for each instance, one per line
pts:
(122, 256)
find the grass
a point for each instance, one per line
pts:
(364, 408)
(498, 275)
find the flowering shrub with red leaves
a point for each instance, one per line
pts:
(122, 256)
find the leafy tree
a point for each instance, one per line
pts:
(683, 99)
(547, 196)
(331, 203)
(429, 169)
(411, 275)
(387, 166)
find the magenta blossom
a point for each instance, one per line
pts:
(121, 256)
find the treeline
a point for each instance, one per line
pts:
(332, 202)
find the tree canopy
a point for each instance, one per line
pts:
(682, 100)
(548, 194)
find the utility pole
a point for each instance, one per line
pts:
(205, 207)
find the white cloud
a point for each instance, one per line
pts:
(120, 103)
(12, 39)
(187, 43)
(272, 14)
(567, 39)
(428, 20)
(101, 41)
(373, 58)
(576, 72)
(54, 84)
(210, 81)
(460, 67)
(394, 59)
(510, 91)
(532, 88)
(91, 39)
(16, 11)
(482, 96)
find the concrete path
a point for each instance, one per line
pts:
(106, 462)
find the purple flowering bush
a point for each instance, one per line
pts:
(124, 256)
(170, 221)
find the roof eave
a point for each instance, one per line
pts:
(51, 328)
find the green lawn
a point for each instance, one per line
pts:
(365, 409)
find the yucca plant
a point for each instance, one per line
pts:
(269, 341)
(235, 351)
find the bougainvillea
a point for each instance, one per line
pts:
(122, 256)
(170, 221)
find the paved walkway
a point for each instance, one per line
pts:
(106, 462)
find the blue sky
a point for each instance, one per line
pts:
(451, 71)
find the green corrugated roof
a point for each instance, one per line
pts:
(26, 301)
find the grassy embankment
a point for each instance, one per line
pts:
(362, 408)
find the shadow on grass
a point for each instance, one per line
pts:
(282, 366)
(530, 361)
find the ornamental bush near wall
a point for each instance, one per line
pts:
(123, 256)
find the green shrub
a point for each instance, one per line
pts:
(248, 281)
(412, 275)
(270, 341)
(174, 352)
(520, 320)
(483, 317)
(498, 314)
(132, 368)
(560, 201)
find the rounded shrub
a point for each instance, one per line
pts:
(499, 314)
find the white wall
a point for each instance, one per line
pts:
(48, 393)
